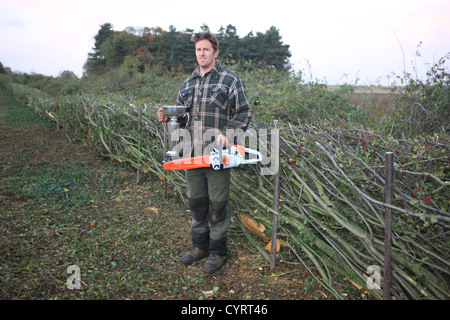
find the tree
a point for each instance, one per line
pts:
(173, 50)
(2, 69)
(178, 50)
(250, 50)
(96, 63)
(264, 48)
(186, 51)
(229, 43)
(275, 52)
(117, 47)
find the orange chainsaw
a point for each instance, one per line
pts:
(218, 159)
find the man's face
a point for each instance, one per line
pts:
(206, 56)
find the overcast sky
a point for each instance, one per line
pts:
(333, 41)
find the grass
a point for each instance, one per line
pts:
(61, 205)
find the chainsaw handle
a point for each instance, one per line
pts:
(251, 151)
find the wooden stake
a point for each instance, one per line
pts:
(139, 147)
(389, 163)
(165, 151)
(276, 205)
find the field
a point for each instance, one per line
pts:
(69, 193)
(376, 96)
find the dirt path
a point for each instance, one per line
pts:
(62, 205)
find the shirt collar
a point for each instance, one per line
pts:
(214, 71)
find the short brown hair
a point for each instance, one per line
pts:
(206, 35)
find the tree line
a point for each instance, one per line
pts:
(173, 50)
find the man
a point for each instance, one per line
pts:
(216, 100)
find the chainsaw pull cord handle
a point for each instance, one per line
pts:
(220, 155)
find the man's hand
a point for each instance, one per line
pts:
(161, 117)
(223, 139)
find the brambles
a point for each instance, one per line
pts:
(332, 205)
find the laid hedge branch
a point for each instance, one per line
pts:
(332, 189)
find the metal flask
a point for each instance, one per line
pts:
(173, 112)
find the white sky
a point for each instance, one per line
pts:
(335, 41)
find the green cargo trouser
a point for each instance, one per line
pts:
(209, 194)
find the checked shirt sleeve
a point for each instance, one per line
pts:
(241, 110)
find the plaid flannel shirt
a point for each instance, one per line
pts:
(216, 101)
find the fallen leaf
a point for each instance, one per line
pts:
(252, 225)
(209, 293)
(279, 244)
(269, 246)
(283, 243)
